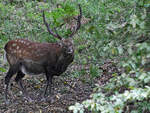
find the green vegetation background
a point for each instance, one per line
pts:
(117, 30)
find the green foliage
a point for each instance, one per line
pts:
(94, 71)
(26, 20)
(122, 26)
(113, 104)
(2, 69)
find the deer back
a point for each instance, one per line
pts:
(22, 49)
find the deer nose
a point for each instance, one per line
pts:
(70, 50)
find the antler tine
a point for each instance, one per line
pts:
(48, 28)
(78, 21)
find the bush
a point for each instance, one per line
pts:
(125, 24)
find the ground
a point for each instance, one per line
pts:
(66, 91)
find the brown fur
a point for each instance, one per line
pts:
(27, 57)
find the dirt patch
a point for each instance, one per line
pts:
(66, 91)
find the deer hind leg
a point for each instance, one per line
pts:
(12, 70)
(18, 79)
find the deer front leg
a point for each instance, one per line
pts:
(49, 84)
(49, 81)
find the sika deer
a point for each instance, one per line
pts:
(27, 57)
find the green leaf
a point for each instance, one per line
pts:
(2, 69)
(120, 50)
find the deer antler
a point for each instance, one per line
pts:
(78, 21)
(56, 34)
(49, 30)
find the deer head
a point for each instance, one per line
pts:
(67, 44)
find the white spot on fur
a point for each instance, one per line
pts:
(17, 47)
(14, 44)
(14, 51)
(24, 51)
(10, 48)
(27, 43)
(20, 55)
(19, 51)
(22, 41)
(30, 47)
